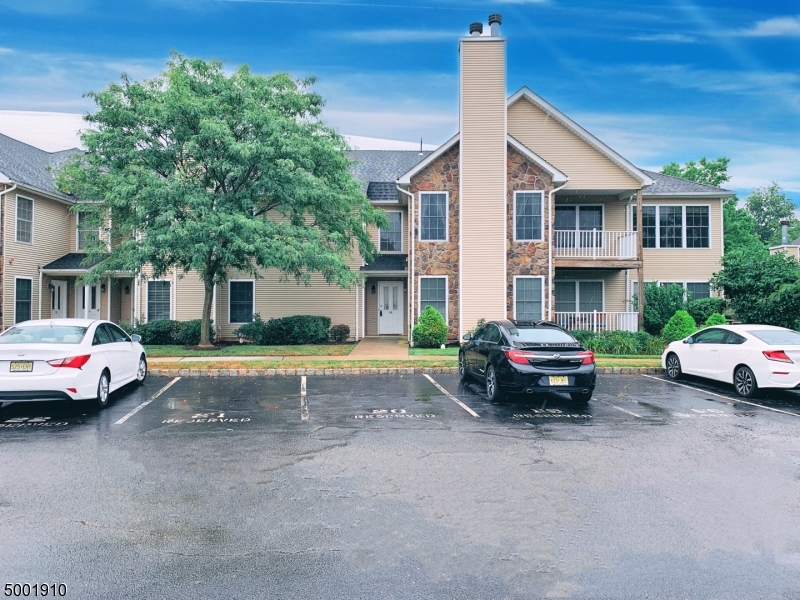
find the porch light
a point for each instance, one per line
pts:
(102, 287)
(373, 288)
(127, 289)
(51, 287)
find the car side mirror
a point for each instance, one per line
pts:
(688, 340)
(136, 337)
(467, 337)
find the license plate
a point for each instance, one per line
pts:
(559, 380)
(21, 366)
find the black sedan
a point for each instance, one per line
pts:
(527, 357)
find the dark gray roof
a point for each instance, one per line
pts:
(388, 262)
(71, 261)
(383, 165)
(382, 191)
(29, 166)
(667, 184)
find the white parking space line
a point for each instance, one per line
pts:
(619, 408)
(778, 410)
(453, 398)
(303, 399)
(143, 404)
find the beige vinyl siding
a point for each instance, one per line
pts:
(275, 298)
(117, 288)
(482, 181)
(189, 297)
(125, 300)
(72, 232)
(686, 264)
(613, 284)
(790, 250)
(371, 305)
(373, 231)
(50, 241)
(586, 167)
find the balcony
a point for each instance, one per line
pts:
(596, 248)
(598, 321)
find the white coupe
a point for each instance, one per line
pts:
(750, 357)
(68, 359)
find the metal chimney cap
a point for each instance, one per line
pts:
(785, 221)
(495, 18)
(476, 28)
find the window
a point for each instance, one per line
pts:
(391, 238)
(579, 296)
(24, 220)
(528, 298)
(22, 300)
(669, 226)
(433, 217)
(527, 216)
(710, 336)
(433, 292)
(85, 236)
(116, 334)
(697, 227)
(648, 226)
(241, 301)
(696, 290)
(158, 300)
(492, 335)
(579, 226)
(101, 336)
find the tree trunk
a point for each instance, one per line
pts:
(205, 326)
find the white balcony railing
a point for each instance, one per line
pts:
(598, 321)
(595, 244)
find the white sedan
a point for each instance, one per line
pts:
(68, 359)
(750, 357)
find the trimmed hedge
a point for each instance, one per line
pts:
(620, 342)
(286, 331)
(430, 330)
(716, 319)
(167, 332)
(680, 325)
(339, 334)
(702, 308)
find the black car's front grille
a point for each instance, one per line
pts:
(556, 363)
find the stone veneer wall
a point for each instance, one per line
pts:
(527, 258)
(438, 258)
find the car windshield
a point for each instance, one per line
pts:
(776, 337)
(43, 334)
(540, 335)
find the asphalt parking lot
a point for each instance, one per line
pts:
(403, 487)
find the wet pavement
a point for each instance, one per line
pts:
(390, 487)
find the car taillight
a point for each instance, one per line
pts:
(777, 355)
(588, 357)
(72, 362)
(519, 357)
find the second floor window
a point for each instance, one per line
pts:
(24, 220)
(86, 236)
(674, 226)
(433, 217)
(527, 216)
(392, 237)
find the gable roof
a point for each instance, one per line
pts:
(581, 133)
(31, 167)
(383, 165)
(667, 185)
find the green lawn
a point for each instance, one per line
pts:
(248, 350)
(433, 351)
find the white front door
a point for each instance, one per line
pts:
(58, 300)
(87, 301)
(390, 308)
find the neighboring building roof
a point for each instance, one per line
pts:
(31, 167)
(69, 262)
(382, 191)
(383, 165)
(414, 168)
(388, 262)
(667, 185)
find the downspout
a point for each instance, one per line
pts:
(2, 277)
(356, 336)
(550, 273)
(40, 293)
(410, 301)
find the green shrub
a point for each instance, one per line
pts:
(584, 336)
(189, 332)
(702, 308)
(679, 326)
(715, 319)
(255, 331)
(162, 332)
(430, 330)
(339, 334)
(620, 342)
(286, 331)
(660, 303)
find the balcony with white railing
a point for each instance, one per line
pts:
(598, 321)
(595, 244)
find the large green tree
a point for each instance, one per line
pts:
(199, 170)
(768, 206)
(710, 172)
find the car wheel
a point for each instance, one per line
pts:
(462, 367)
(102, 390)
(493, 390)
(582, 397)
(141, 370)
(745, 382)
(674, 367)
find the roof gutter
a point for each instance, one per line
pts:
(410, 272)
(551, 245)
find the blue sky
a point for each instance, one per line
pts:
(675, 80)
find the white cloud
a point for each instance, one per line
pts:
(360, 142)
(394, 36)
(777, 27)
(6, 50)
(50, 131)
(678, 38)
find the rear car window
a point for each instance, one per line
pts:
(540, 335)
(43, 334)
(780, 337)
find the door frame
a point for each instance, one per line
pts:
(64, 285)
(79, 298)
(400, 308)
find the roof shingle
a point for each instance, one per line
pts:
(667, 184)
(32, 167)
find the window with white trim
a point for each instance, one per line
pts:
(86, 236)
(23, 298)
(528, 298)
(391, 238)
(433, 292)
(680, 226)
(24, 220)
(158, 300)
(527, 216)
(433, 217)
(579, 296)
(697, 289)
(241, 301)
